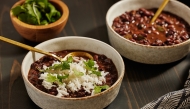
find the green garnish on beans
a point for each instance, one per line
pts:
(57, 68)
(99, 89)
(36, 12)
(56, 79)
(90, 66)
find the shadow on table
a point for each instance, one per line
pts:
(169, 76)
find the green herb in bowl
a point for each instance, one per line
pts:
(36, 12)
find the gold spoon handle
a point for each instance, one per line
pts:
(159, 10)
(26, 46)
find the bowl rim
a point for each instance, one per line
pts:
(120, 78)
(63, 18)
(134, 43)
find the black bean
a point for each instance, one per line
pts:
(116, 19)
(147, 31)
(134, 36)
(146, 12)
(157, 42)
(160, 23)
(141, 26)
(166, 19)
(177, 41)
(124, 17)
(141, 36)
(185, 36)
(170, 33)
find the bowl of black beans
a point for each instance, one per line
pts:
(164, 41)
(86, 77)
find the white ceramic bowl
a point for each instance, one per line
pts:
(98, 101)
(143, 53)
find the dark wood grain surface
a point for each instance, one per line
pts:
(142, 83)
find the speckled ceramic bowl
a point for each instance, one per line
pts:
(142, 53)
(98, 101)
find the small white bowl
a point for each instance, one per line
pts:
(98, 101)
(143, 53)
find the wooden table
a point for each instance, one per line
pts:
(142, 83)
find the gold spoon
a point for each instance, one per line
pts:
(164, 3)
(44, 52)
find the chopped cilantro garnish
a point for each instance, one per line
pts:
(90, 66)
(98, 73)
(74, 74)
(56, 68)
(77, 73)
(61, 77)
(98, 89)
(65, 65)
(51, 78)
(70, 59)
(56, 79)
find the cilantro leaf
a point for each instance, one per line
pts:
(90, 66)
(53, 15)
(70, 59)
(37, 13)
(98, 89)
(56, 68)
(98, 73)
(65, 65)
(18, 10)
(56, 79)
(29, 9)
(33, 11)
(42, 3)
(51, 78)
(61, 77)
(77, 73)
(29, 1)
(44, 22)
(27, 18)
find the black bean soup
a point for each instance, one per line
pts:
(105, 64)
(168, 29)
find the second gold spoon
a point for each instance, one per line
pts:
(44, 52)
(164, 3)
